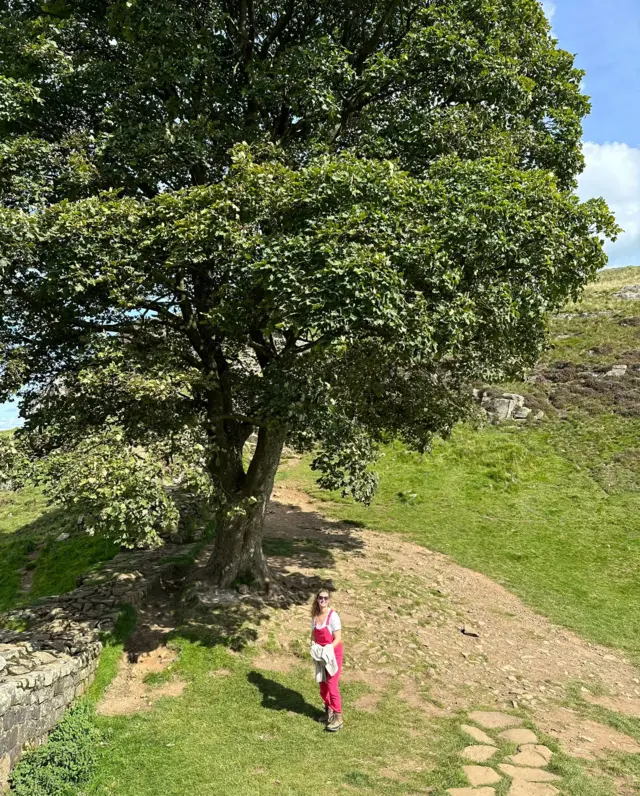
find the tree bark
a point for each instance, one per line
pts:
(237, 552)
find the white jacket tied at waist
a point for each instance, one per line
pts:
(324, 661)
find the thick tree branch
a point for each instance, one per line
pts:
(277, 29)
(374, 40)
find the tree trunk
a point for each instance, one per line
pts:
(237, 552)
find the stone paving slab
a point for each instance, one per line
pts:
(478, 735)
(528, 774)
(519, 736)
(528, 757)
(544, 751)
(478, 754)
(472, 791)
(481, 775)
(494, 720)
(520, 788)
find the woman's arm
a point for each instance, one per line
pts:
(337, 638)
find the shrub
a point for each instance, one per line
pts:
(65, 761)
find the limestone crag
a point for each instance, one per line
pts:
(629, 292)
(46, 666)
(505, 406)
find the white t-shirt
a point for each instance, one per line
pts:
(334, 623)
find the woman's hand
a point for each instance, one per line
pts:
(337, 638)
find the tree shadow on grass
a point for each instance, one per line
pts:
(297, 544)
(278, 697)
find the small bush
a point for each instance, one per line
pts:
(65, 761)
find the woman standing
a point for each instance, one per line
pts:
(327, 629)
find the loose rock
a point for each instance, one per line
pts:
(617, 371)
(629, 292)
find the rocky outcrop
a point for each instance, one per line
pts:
(505, 406)
(52, 656)
(629, 292)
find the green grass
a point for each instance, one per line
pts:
(23, 510)
(59, 563)
(505, 502)
(28, 529)
(601, 338)
(255, 731)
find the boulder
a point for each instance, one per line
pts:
(631, 292)
(616, 371)
(505, 406)
(500, 408)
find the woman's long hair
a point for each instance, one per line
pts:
(315, 607)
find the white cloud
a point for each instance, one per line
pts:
(613, 172)
(9, 416)
(549, 9)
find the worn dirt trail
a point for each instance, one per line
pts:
(467, 639)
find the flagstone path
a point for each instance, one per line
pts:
(526, 768)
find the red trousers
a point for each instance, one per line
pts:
(329, 689)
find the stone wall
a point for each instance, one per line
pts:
(51, 659)
(38, 687)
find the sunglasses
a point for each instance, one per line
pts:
(323, 599)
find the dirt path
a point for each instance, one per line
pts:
(415, 616)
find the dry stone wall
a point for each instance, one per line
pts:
(51, 659)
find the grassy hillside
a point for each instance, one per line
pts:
(551, 509)
(32, 563)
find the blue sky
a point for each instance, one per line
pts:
(605, 37)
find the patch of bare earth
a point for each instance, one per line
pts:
(146, 653)
(585, 738)
(415, 619)
(129, 693)
(26, 579)
(627, 705)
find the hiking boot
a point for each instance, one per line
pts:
(335, 723)
(326, 716)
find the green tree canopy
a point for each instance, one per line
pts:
(317, 221)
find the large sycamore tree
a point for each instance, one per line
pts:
(314, 221)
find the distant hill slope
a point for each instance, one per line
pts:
(590, 380)
(598, 336)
